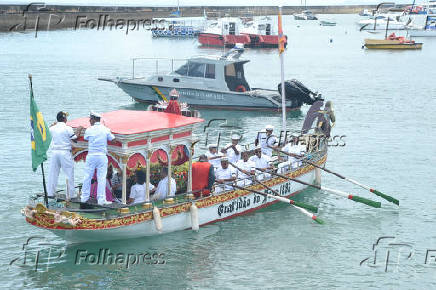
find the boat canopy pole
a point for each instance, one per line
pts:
(282, 73)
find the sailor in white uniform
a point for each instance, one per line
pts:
(261, 161)
(266, 140)
(248, 169)
(293, 147)
(213, 156)
(233, 150)
(97, 136)
(224, 176)
(62, 135)
(162, 188)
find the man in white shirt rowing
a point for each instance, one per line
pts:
(246, 169)
(224, 176)
(293, 147)
(261, 161)
(162, 188)
(61, 157)
(233, 150)
(266, 139)
(213, 156)
(97, 136)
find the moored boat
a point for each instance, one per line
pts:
(392, 42)
(428, 30)
(225, 32)
(262, 33)
(305, 15)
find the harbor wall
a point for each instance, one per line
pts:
(52, 17)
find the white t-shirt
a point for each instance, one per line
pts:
(262, 162)
(162, 189)
(61, 136)
(248, 166)
(265, 141)
(231, 155)
(227, 173)
(138, 192)
(216, 163)
(97, 137)
(294, 149)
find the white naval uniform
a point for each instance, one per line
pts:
(291, 162)
(244, 179)
(97, 137)
(138, 192)
(216, 163)
(61, 158)
(265, 141)
(222, 173)
(262, 163)
(162, 189)
(231, 155)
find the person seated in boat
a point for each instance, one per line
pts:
(233, 150)
(225, 175)
(117, 183)
(266, 140)
(173, 105)
(162, 188)
(261, 161)
(203, 177)
(213, 156)
(291, 162)
(108, 185)
(246, 169)
(138, 191)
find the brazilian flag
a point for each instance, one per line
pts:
(40, 135)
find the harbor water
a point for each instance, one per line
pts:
(384, 103)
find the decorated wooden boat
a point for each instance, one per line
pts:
(146, 139)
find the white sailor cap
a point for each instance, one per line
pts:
(269, 127)
(213, 145)
(94, 114)
(224, 159)
(235, 137)
(258, 147)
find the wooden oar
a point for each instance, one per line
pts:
(334, 191)
(376, 192)
(291, 201)
(285, 200)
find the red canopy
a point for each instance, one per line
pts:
(127, 122)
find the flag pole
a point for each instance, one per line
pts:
(42, 163)
(282, 74)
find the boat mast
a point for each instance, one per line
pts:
(282, 73)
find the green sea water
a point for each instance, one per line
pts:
(384, 103)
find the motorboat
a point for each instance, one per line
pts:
(262, 33)
(305, 15)
(225, 32)
(428, 30)
(392, 42)
(214, 82)
(379, 22)
(327, 23)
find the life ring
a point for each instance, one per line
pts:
(240, 89)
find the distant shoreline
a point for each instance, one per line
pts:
(53, 17)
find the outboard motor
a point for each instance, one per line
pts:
(296, 91)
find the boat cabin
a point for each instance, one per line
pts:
(147, 140)
(225, 26)
(221, 73)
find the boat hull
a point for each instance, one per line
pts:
(212, 39)
(390, 44)
(174, 218)
(200, 98)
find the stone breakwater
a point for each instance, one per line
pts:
(39, 17)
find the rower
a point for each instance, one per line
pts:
(61, 157)
(266, 140)
(293, 147)
(203, 177)
(162, 187)
(225, 175)
(261, 161)
(213, 156)
(247, 169)
(97, 136)
(233, 150)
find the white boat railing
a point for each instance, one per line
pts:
(156, 63)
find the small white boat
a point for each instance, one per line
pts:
(327, 23)
(305, 15)
(428, 30)
(379, 22)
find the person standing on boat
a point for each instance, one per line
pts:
(261, 161)
(173, 105)
(266, 140)
(61, 157)
(225, 175)
(247, 170)
(162, 187)
(203, 177)
(213, 156)
(97, 136)
(233, 150)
